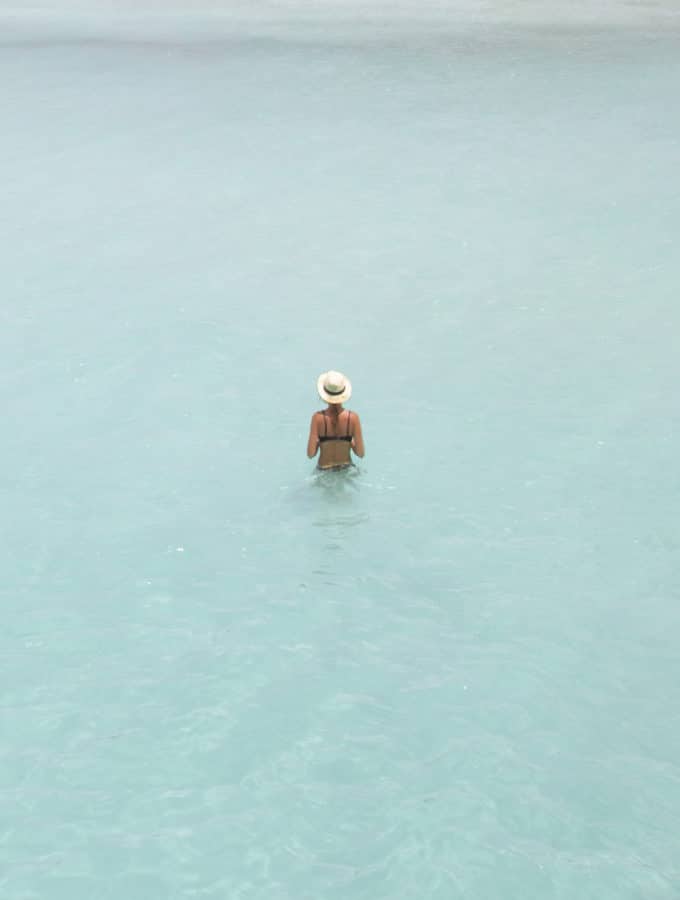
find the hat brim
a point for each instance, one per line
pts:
(333, 398)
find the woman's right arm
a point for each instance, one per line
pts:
(357, 437)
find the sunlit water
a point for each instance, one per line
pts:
(452, 673)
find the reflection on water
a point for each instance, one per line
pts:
(326, 511)
(326, 491)
(338, 498)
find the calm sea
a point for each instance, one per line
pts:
(452, 673)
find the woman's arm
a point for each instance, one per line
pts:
(357, 437)
(313, 440)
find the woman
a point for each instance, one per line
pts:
(334, 431)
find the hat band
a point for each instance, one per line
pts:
(334, 393)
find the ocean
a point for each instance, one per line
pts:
(451, 672)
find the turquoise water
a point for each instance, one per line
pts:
(452, 673)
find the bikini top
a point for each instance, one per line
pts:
(335, 437)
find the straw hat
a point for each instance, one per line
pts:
(333, 387)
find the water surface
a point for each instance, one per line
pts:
(451, 673)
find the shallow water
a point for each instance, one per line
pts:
(449, 673)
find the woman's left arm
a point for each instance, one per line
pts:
(313, 440)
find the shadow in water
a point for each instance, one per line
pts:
(336, 481)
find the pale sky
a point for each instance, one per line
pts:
(518, 11)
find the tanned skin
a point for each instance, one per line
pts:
(335, 421)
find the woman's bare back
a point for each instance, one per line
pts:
(334, 432)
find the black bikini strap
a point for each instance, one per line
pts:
(349, 422)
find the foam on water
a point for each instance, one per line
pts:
(450, 673)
